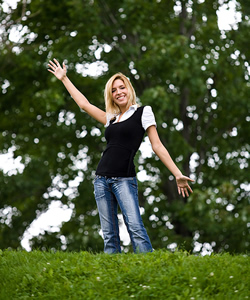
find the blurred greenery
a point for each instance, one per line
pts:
(194, 75)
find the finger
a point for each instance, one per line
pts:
(179, 190)
(192, 180)
(52, 64)
(190, 189)
(186, 191)
(51, 71)
(183, 193)
(57, 63)
(188, 179)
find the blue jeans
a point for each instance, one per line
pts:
(122, 191)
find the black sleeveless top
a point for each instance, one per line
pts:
(123, 141)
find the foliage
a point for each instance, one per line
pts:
(157, 275)
(195, 77)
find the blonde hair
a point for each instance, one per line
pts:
(111, 107)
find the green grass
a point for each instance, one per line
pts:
(157, 275)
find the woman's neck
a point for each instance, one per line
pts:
(124, 109)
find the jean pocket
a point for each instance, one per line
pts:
(96, 178)
(132, 181)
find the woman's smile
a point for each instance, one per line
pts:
(119, 92)
(120, 97)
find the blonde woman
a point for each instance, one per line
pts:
(115, 182)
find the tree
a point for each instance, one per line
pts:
(193, 75)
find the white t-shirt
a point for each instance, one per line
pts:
(147, 118)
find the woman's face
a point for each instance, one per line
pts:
(120, 93)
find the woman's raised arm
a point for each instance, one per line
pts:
(80, 99)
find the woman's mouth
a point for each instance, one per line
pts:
(120, 97)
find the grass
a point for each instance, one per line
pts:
(157, 275)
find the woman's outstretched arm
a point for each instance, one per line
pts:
(80, 99)
(162, 153)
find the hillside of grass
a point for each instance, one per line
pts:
(157, 275)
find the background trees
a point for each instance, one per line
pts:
(195, 77)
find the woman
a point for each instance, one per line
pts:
(115, 182)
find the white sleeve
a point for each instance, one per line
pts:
(148, 118)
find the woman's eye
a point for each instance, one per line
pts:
(121, 88)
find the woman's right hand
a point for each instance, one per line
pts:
(57, 70)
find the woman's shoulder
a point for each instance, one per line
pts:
(148, 117)
(147, 109)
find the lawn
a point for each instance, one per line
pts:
(158, 275)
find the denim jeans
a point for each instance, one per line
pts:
(122, 191)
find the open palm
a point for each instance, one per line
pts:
(56, 69)
(183, 186)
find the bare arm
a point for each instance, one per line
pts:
(162, 153)
(80, 99)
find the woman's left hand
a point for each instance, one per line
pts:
(183, 186)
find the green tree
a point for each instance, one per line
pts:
(195, 77)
